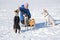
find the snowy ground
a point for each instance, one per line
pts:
(39, 32)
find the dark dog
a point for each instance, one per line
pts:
(16, 22)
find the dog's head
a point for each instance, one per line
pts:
(45, 12)
(25, 15)
(31, 22)
(16, 11)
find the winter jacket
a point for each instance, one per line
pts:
(24, 11)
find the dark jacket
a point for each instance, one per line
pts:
(24, 11)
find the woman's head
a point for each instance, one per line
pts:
(26, 5)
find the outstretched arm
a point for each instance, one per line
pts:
(29, 14)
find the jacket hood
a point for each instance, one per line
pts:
(22, 6)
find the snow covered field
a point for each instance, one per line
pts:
(39, 32)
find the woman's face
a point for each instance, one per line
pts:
(26, 5)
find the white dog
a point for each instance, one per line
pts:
(48, 18)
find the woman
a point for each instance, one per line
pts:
(24, 10)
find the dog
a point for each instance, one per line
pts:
(26, 20)
(32, 22)
(16, 26)
(48, 18)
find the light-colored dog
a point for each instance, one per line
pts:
(26, 21)
(32, 22)
(48, 18)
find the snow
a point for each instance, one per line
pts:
(39, 31)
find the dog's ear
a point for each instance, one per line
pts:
(45, 10)
(16, 11)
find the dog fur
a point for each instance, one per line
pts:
(48, 18)
(16, 26)
(32, 22)
(26, 21)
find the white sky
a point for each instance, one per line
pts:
(33, 3)
(35, 6)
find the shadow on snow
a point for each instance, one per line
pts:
(40, 25)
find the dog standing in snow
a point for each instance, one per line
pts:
(48, 18)
(16, 22)
(26, 21)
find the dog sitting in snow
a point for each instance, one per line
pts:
(48, 18)
(16, 22)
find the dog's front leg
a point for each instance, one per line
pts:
(26, 28)
(52, 23)
(45, 22)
